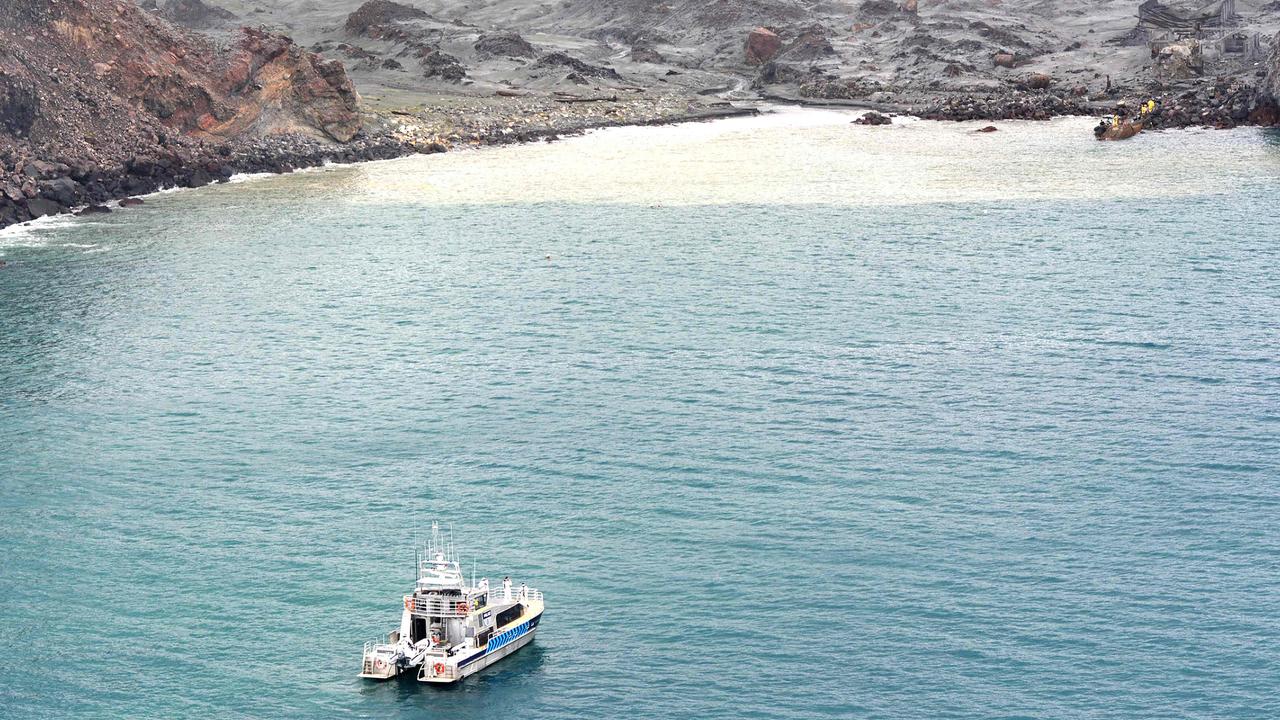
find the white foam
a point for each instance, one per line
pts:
(33, 233)
(246, 177)
(818, 156)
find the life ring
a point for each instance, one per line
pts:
(409, 604)
(380, 664)
(462, 608)
(438, 668)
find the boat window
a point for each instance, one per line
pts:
(509, 614)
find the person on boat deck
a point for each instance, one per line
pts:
(1122, 112)
(506, 586)
(524, 591)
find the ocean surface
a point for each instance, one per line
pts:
(788, 417)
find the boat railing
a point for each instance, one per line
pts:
(504, 595)
(456, 607)
(427, 606)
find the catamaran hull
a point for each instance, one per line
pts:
(485, 661)
(474, 665)
(382, 665)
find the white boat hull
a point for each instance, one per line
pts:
(453, 673)
(493, 657)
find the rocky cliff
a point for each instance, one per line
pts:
(93, 89)
(1273, 70)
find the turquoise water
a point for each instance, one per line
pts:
(811, 457)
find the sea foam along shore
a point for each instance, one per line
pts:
(58, 188)
(395, 137)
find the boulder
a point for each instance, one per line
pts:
(762, 45)
(198, 177)
(873, 118)
(1180, 60)
(63, 191)
(40, 207)
(1004, 60)
(131, 202)
(1039, 81)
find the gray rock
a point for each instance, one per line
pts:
(63, 190)
(40, 207)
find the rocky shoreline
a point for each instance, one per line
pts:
(1218, 103)
(31, 187)
(1222, 103)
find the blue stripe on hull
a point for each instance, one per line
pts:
(497, 642)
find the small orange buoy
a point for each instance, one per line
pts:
(462, 608)
(438, 668)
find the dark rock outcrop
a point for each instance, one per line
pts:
(196, 13)
(437, 64)
(373, 18)
(1006, 106)
(827, 87)
(19, 104)
(812, 44)
(873, 118)
(643, 52)
(1272, 84)
(878, 9)
(504, 44)
(583, 69)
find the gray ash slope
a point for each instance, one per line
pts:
(906, 53)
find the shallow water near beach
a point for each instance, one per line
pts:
(788, 418)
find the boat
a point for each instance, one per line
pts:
(450, 629)
(1119, 129)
